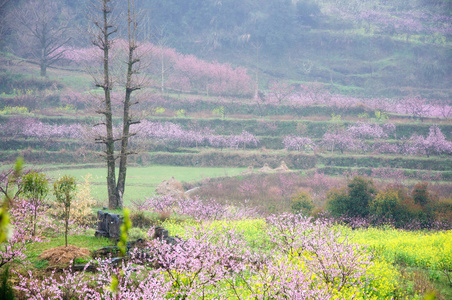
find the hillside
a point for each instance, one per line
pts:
(362, 48)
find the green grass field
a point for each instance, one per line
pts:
(141, 181)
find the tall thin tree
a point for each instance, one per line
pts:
(104, 29)
(130, 86)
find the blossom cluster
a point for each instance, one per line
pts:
(196, 208)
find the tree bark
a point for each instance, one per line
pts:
(127, 119)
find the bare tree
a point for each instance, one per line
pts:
(132, 84)
(42, 30)
(2, 18)
(162, 42)
(104, 29)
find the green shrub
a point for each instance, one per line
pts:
(353, 201)
(15, 110)
(140, 220)
(6, 290)
(302, 203)
(420, 193)
(337, 202)
(385, 203)
(442, 210)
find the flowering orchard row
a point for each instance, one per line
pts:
(398, 22)
(164, 132)
(186, 73)
(299, 97)
(174, 70)
(353, 138)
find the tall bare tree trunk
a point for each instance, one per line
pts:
(102, 41)
(130, 88)
(109, 142)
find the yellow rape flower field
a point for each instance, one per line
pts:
(398, 257)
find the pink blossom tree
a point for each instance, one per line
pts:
(434, 144)
(343, 141)
(297, 143)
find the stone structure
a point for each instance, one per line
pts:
(108, 225)
(161, 234)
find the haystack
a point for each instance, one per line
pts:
(249, 170)
(170, 187)
(282, 168)
(63, 255)
(265, 169)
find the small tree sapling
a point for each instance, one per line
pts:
(64, 190)
(35, 188)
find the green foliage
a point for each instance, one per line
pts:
(68, 108)
(420, 193)
(139, 219)
(354, 201)
(6, 290)
(158, 110)
(338, 202)
(363, 115)
(381, 116)
(394, 203)
(335, 124)
(64, 190)
(219, 111)
(35, 186)
(180, 113)
(302, 203)
(125, 227)
(384, 203)
(5, 224)
(15, 110)
(122, 245)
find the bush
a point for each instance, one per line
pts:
(81, 212)
(442, 211)
(140, 220)
(420, 193)
(302, 203)
(338, 202)
(354, 201)
(386, 202)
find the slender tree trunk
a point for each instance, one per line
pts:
(109, 141)
(163, 69)
(43, 72)
(42, 60)
(67, 224)
(127, 121)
